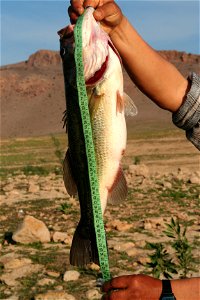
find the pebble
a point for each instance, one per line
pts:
(54, 295)
(71, 276)
(46, 281)
(59, 236)
(53, 274)
(93, 294)
(31, 230)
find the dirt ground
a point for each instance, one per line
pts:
(163, 176)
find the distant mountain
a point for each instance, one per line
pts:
(33, 100)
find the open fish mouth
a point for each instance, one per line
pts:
(98, 74)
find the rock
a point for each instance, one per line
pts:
(167, 184)
(59, 288)
(194, 179)
(46, 281)
(53, 274)
(33, 188)
(44, 58)
(93, 294)
(54, 295)
(17, 263)
(131, 252)
(118, 225)
(143, 260)
(147, 225)
(71, 276)
(154, 223)
(94, 267)
(7, 257)
(123, 247)
(139, 170)
(59, 236)
(8, 187)
(10, 277)
(31, 230)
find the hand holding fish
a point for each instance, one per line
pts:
(132, 287)
(156, 77)
(106, 11)
(145, 287)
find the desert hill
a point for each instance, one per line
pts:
(33, 100)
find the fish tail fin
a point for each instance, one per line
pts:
(84, 247)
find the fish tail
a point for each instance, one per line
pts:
(84, 247)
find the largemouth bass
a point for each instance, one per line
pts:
(106, 101)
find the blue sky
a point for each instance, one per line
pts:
(27, 26)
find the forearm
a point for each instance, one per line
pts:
(155, 77)
(186, 288)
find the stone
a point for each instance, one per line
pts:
(167, 184)
(143, 260)
(10, 277)
(33, 188)
(118, 225)
(17, 263)
(139, 170)
(93, 294)
(123, 247)
(59, 236)
(53, 274)
(94, 267)
(194, 179)
(8, 187)
(31, 230)
(131, 252)
(54, 295)
(71, 276)
(46, 281)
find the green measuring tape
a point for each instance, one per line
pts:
(87, 130)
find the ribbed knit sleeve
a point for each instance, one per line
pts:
(188, 115)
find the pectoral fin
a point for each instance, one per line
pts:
(130, 108)
(118, 191)
(69, 182)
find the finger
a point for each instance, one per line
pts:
(115, 283)
(107, 10)
(77, 6)
(116, 295)
(72, 15)
(93, 3)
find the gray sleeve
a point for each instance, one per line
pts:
(188, 115)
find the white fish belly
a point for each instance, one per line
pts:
(109, 131)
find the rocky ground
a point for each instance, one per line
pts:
(38, 220)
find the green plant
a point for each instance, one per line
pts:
(35, 170)
(162, 263)
(137, 160)
(64, 207)
(58, 152)
(181, 245)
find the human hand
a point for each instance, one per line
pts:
(137, 287)
(107, 12)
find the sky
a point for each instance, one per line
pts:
(27, 26)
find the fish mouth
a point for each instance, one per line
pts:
(98, 75)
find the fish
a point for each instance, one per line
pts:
(106, 102)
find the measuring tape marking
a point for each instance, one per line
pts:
(90, 151)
